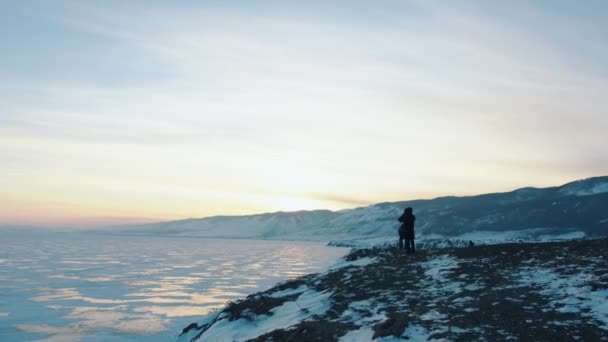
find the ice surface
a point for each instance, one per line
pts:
(73, 287)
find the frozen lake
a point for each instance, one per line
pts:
(77, 287)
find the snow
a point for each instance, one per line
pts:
(534, 234)
(463, 299)
(581, 188)
(438, 267)
(437, 270)
(357, 263)
(569, 292)
(416, 333)
(308, 304)
(289, 292)
(374, 312)
(432, 316)
(439, 285)
(564, 236)
(474, 287)
(363, 334)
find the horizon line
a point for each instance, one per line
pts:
(85, 226)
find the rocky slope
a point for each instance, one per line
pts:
(517, 291)
(577, 207)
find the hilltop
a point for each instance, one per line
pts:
(515, 291)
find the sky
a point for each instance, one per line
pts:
(137, 111)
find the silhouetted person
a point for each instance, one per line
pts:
(471, 243)
(406, 231)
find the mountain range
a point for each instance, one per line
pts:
(575, 209)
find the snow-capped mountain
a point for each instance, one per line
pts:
(579, 208)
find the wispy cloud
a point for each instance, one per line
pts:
(226, 106)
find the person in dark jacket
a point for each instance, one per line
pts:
(406, 231)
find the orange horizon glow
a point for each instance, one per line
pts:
(77, 216)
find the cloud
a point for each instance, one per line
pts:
(347, 201)
(178, 108)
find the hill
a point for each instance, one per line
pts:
(575, 209)
(518, 291)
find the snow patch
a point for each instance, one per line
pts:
(439, 267)
(564, 236)
(368, 306)
(308, 304)
(433, 316)
(463, 299)
(359, 263)
(569, 293)
(289, 292)
(364, 334)
(474, 287)
(488, 237)
(577, 190)
(416, 333)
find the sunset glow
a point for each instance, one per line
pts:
(115, 113)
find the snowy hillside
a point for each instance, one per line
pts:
(585, 187)
(577, 209)
(538, 292)
(251, 226)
